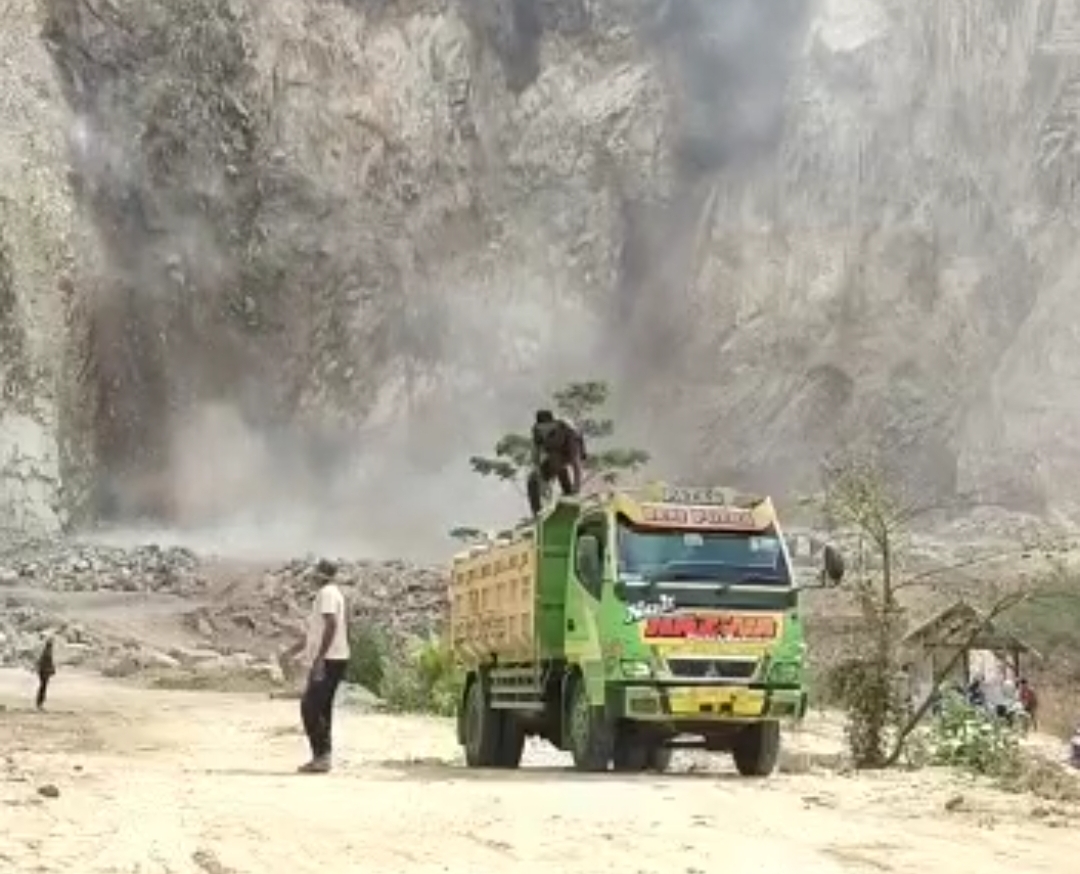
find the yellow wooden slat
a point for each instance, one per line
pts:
(492, 601)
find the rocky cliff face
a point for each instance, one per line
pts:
(337, 244)
(39, 231)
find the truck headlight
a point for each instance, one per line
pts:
(636, 670)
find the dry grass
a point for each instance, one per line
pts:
(25, 730)
(182, 681)
(1046, 780)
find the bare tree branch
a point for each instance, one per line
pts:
(922, 578)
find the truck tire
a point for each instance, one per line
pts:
(660, 759)
(483, 735)
(591, 735)
(631, 753)
(757, 749)
(511, 740)
(634, 753)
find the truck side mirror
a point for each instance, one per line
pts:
(833, 565)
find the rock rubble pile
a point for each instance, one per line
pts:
(80, 567)
(22, 632)
(237, 625)
(401, 599)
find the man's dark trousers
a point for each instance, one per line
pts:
(317, 707)
(550, 468)
(43, 688)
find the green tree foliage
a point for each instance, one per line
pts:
(413, 675)
(422, 678)
(969, 738)
(467, 534)
(583, 404)
(367, 658)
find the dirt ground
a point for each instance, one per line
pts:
(154, 781)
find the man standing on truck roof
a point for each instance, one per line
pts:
(327, 655)
(558, 450)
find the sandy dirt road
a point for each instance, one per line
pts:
(154, 781)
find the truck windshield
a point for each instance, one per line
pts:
(653, 556)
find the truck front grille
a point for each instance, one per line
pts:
(712, 669)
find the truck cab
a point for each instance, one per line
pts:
(645, 621)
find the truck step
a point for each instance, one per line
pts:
(510, 704)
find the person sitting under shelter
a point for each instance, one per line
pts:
(1029, 701)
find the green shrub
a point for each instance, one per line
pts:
(423, 680)
(367, 657)
(962, 736)
(416, 676)
(871, 699)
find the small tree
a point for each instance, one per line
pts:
(583, 404)
(857, 500)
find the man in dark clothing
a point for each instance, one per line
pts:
(975, 694)
(558, 451)
(46, 670)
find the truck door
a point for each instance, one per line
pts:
(590, 568)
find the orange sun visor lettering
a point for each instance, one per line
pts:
(669, 515)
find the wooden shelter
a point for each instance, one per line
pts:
(963, 627)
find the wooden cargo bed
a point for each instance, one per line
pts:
(493, 601)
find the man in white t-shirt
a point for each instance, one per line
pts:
(327, 655)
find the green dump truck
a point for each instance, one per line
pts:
(623, 625)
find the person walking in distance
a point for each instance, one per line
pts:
(46, 670)
(327, 655)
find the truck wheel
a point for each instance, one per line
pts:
(482, 729)
(634, 753)
(660, 759)
(631, 753)
(511, 740)
(637, 757)
(757, 749)
(592, 737)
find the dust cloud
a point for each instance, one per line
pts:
(393, 486)
(729, 63)
(393, 478)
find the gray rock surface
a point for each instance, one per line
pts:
(285, 230)
(38, 233)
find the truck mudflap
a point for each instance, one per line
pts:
(701, 703)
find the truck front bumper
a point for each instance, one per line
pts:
(704, 703)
